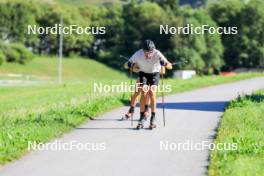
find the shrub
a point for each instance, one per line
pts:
(10, 54)
(24, 54)
(16, 53)
(2, 57)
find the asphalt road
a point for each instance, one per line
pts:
(113, 148)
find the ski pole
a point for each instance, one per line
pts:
(178, 63)
(123, 57)
(163, 106)
(131, 83)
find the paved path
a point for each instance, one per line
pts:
(191, 117)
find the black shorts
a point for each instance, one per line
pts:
(149, 78)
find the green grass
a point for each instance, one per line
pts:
(242, 123)
(204, 81)
(40, 113)
(74, 69)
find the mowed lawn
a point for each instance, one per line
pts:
(40, 113)
(73, 70)
(242, 123)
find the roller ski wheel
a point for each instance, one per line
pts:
(152, 126)
(140, 126)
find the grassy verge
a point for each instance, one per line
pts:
(204, 81)
(74, 70)
(242, 123)
(41, 113)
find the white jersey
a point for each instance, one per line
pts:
(150, 65)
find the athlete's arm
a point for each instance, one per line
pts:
(128, 65)
(164, 62)
(168, 66)
(132, 61)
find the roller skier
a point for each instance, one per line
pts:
(149, 61)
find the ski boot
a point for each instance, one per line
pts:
(152, 125)
(129, 114)
(141, 121)
(152, 121)
(140, 126)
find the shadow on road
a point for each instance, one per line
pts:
(217, 106)
(101, 128)
(199, 106)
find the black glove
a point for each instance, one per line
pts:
(163, 63)
(130, 64)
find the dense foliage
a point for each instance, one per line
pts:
(127, 24)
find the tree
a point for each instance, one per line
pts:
(168, 4)
(214, 48)
(110, 17)
(246, 48)
(14, 19)
(72, 43)
(205, 49)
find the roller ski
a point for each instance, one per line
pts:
(152, 126)
(141, 121)
(152, 121)
(129, 114)
(140, 126)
